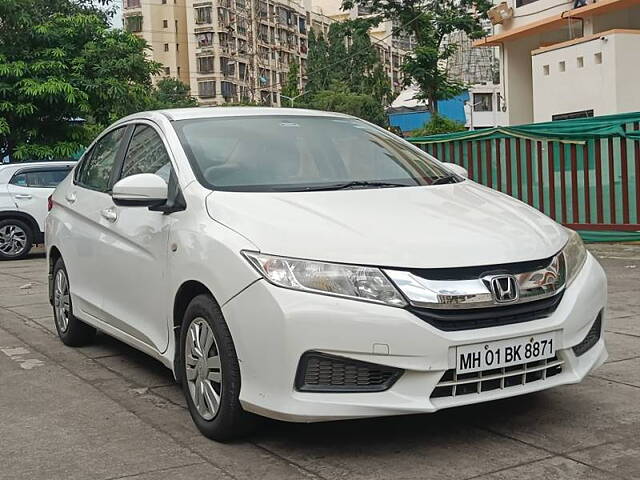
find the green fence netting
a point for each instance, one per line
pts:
(591, 180)
(566, 131)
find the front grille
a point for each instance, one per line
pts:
(470, 318)
(319, 372)
(454, 385)
(592, 337)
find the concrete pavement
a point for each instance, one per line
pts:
(108, 412)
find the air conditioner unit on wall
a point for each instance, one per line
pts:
(500, 13)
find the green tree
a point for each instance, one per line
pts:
(437, 125)
(61, 61)
(172, 93)
(318, 71)
(291, 89)
(430, 22)
(346, 68)
(338, 98)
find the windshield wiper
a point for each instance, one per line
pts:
(355, 184)
(446, 179)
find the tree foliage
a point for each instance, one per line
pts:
(172, 93)
(430, 22)
(291, 88)
(60, 62)
(345, 67)
(339, 98)
(437, 125)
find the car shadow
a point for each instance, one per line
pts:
(448, 425)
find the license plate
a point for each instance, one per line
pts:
(504, 353)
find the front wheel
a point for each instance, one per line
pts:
(16, 239)
(210, 372)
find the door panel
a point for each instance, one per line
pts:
(83, 255)
(32, 201)
(136, 243)
(84, 200)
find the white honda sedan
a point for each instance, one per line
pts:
(310, 266)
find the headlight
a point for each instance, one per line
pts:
(350, 281)
(575, 254)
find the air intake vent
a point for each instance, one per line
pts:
(454, 385)
(318, 372)
(591, 339)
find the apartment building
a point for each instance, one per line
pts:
(235, 50)
(163, 24)
(567, 59)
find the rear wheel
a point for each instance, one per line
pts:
(16, 239)
(72, 332)
(210, 372)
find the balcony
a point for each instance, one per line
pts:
(588, 76)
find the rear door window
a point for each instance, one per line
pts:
(97, 167)
(41, 178)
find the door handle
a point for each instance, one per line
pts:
(110, 214)
(24, 196)
(70, 197)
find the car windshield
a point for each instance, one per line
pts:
(302, 153)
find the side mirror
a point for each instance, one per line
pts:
(141, 190)
(455, 168)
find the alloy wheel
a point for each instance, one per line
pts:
(13, 240)
(61, 300)
(203, 369)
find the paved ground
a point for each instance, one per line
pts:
(108, 412)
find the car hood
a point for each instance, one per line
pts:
(453, 225)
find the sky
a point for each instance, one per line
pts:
(116, 21)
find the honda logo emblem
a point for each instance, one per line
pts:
(504, 288)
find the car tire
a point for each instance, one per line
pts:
(72, 332)
(16, 239)
(210, 373)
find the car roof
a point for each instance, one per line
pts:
(214, 112)
(37, 164)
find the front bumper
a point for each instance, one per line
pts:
(273, 327)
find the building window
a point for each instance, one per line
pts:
(133, 24)
(176, 25)
(165, 23)
(166, 47)
(167, 71)
(205, 39)
(228, 90)
(205, 64)
(545, 70)
(203, 15)
(522, 3)
(597, 58)
(207, 89)
(572, 115)
(562, 66)
(178, 71)
(132, 4)
(227, 67)
(483, 102)
(580, 62)
(164, 2)
(177, 47)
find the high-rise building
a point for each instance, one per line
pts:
(235, 50)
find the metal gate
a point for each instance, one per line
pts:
(585, 185)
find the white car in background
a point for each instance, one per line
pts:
(24, 190)
(310, 266)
